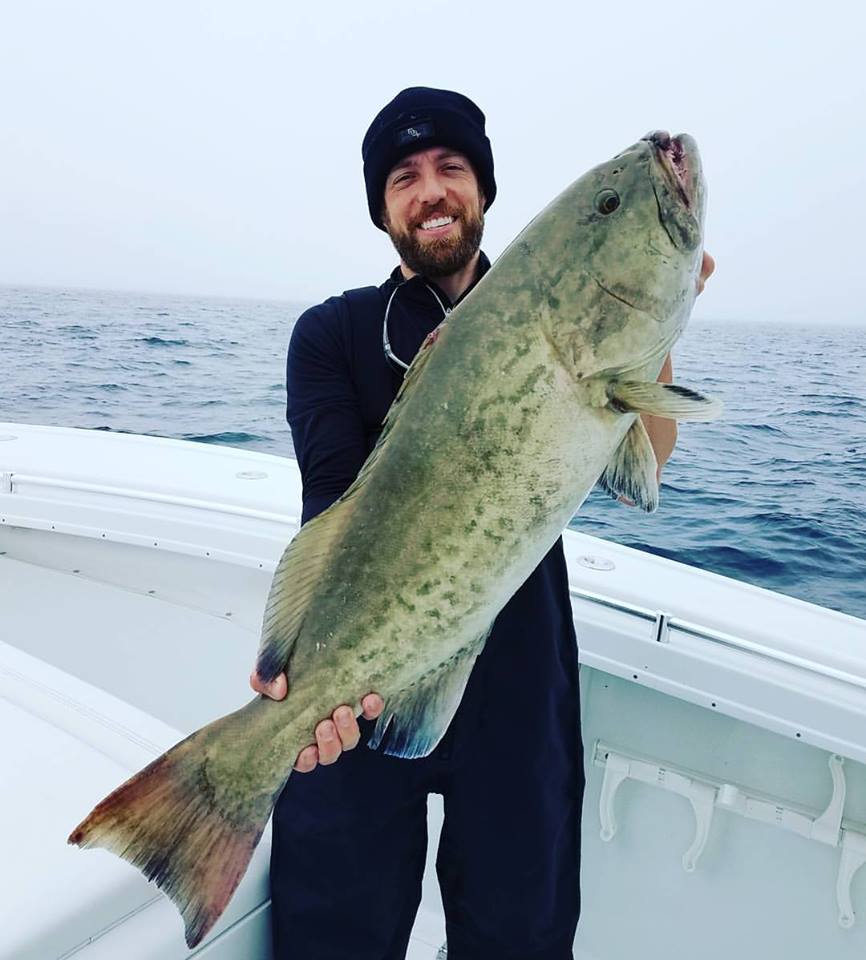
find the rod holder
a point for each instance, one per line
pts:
(705, 795)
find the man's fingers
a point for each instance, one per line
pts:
(307, 760)
(347, 727)
(333, 736)
(276, 689)
(708, 266)
(372, 705)
(328, 741)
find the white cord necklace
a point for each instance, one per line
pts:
(386, 340)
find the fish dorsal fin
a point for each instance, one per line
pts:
(415, 719)
(662, 400)
(633, 470)
(305, 558)
(295, 579)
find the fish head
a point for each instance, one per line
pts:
(622, 255)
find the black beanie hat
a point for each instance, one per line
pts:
(419, 118)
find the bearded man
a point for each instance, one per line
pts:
(349, 839)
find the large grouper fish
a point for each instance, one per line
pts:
(526, 397)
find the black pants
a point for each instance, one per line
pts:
(350, 840)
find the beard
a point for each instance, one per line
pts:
(442, 256)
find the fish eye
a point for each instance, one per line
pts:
(607, 201)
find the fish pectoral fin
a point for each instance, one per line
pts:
(662, 400)
(633, 471)
(295, 579)
(415, 719)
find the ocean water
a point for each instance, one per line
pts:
(773, 494)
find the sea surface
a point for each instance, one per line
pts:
(773, 494)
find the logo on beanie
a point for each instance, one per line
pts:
(417, 131)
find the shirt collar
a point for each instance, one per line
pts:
(421, 283)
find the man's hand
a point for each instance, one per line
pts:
(333, 736)
(708, 265)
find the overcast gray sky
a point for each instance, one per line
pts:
(214, 147)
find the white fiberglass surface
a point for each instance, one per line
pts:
(180, 665)
(757, 890)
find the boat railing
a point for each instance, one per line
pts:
(663, 623)
(8, 482)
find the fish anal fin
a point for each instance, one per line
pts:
(415, 719)
(633, 470)
(662, 400)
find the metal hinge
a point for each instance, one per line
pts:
(661, 628)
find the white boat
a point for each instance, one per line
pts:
(724, 725)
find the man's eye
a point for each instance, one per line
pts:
(454, 166)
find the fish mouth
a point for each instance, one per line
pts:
(678, 184)
(673, 155)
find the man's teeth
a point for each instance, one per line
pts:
(436, 222)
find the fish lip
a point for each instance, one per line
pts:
(676, 174)
(676, 158)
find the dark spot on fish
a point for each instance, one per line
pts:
(404, 604)
(528, 384)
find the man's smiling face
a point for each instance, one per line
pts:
(433, 211)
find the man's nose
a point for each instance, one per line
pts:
(431, 188)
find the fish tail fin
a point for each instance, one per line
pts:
(190, 820)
